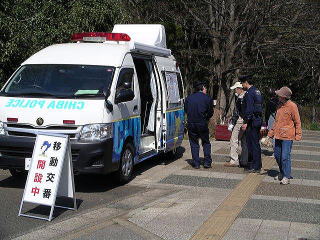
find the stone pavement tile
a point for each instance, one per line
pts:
(313, 201)
(304, 174)
(271, 236)
(300, 156)
(306, 148)
(309, 144)
(220, 168)
(305, 164)
(239, 235)
(69, 225)
(304, 230)
(276, 198)
(281, 211)
(291, 190)
(40, 234)
(209, 173)
(180, 219)
(246, 224)
(279, 228)
(100, 213)
(200, 181)
(310, 137)
(310, 182)
(115, 232)
(143, 216)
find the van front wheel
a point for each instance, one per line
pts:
(126, 164)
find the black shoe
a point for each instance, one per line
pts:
(207, 166)
(191, 163)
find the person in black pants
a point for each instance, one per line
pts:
(199, 109)
(252, 122)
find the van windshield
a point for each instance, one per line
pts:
(67, 81)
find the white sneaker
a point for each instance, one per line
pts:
(284, 181)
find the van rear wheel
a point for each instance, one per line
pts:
(126, 164)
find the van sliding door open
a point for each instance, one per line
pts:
(149, 99)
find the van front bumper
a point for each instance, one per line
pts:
(87, 157)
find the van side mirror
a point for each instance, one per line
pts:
(109, 105)
(124, 95)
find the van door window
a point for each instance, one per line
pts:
(174, 89)
(125, 79)
(124, 89)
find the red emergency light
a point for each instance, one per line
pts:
(100, 37)
(69, 121)
(12, 119)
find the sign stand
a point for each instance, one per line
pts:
(50, 174)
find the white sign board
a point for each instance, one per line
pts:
(51, 161)
(172, 87)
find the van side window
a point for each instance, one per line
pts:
(125, 80)
(174, 89)
(180, 85)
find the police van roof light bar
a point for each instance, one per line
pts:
(100, 37)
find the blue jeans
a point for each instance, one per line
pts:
(282, 154)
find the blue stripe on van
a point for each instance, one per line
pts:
(121, 131)
(175, 128)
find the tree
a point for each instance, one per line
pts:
(28, 26)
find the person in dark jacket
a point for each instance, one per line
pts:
(252, 122)
(199, 109)
(271, 108)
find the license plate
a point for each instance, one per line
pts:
(27, 162)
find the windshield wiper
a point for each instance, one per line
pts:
(88, 95)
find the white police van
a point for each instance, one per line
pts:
(119, 96)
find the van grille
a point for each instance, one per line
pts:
(26, 130)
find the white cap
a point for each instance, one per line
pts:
(236, 85)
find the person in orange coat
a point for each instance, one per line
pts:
(286, 129)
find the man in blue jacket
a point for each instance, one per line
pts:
(199, 109)
(252, 121)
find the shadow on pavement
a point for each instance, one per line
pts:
(90, 183)
(163, 159)
(272, 173)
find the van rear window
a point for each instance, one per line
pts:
(73, 81)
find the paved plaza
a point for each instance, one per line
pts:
(175, 201)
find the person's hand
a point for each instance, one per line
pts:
(230, 127)
(244, 127)
(297, 138)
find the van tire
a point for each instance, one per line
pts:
(17, 173)
(125, 170)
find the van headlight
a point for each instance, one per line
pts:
(2, 129)
(98, 131)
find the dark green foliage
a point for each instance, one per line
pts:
(30, 25)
